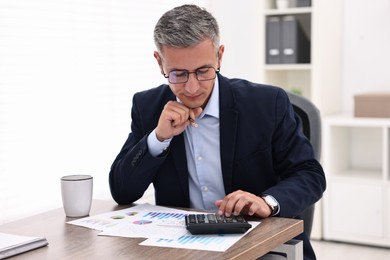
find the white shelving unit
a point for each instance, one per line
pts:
(290, 76)
(356, 160)
(320, 80)
(355, 151)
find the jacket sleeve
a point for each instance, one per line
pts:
(302, 180)
(134, 168)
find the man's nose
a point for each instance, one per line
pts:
(192, 85)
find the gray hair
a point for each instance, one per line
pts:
(185, 26)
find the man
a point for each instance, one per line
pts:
(209, 142)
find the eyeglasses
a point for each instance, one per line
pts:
(201, 74)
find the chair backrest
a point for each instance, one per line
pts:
(311, 127)
(311, 120)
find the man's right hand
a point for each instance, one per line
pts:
(174, 119)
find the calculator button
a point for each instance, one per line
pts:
(200, 218)
(239, 218)
(211, 218)
(219, 218)
(229, 219)
(192, 218)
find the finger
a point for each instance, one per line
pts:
(245, 200)
(173, 120)
(176, 118)
(230, 206)
(258, 207)
(221, 205)
(177, 113)
(241, 203)
(255, 205)
(229, 203)
(253, 208)
(195, 112)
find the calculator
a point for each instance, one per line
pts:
(212, 223)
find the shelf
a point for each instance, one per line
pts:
(288, 11)
(281, 67)
(359, 175)
(347, 119)
(296, 77)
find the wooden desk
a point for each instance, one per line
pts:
(74, 242)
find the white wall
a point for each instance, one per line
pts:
(242, 33)
(68, 70)
(366, 52)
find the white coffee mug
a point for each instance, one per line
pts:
(76, 193)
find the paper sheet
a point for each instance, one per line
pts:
(162, 226)
(150, 222)
(122, 218)
(218, 243)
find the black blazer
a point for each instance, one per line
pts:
(262, 150)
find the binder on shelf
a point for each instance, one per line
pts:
(302, 3)
(273, 40)
(295, 44)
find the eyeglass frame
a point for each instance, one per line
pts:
(192, 72)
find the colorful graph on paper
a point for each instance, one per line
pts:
(143, 220)
(139, 215)
(191, 239)
(218, 243)
(163, 227)
(165, 215)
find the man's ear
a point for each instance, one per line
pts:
(159, 61)
(220, 54)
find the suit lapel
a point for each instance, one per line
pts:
(180, 160)
(228, 131)
(178, 153)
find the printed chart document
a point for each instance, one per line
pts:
(161, 226)
(11, 245)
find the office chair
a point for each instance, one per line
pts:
(311, 127)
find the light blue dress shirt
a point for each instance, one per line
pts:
(203, 155)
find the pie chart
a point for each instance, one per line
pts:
(142, 222)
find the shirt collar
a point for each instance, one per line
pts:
(212, 107)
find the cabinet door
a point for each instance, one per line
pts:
(387, 219)
(355, 211)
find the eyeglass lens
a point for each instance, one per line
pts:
(202, 74)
